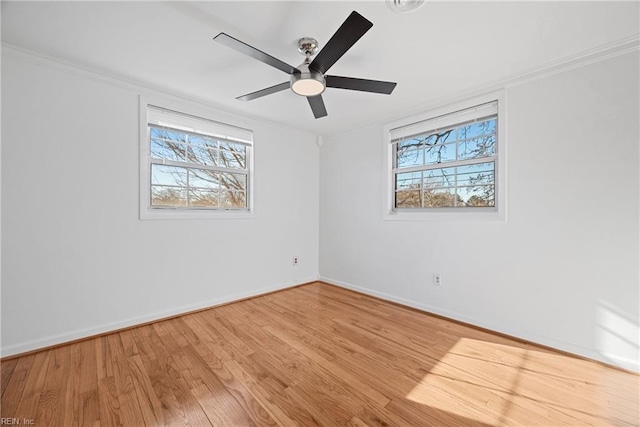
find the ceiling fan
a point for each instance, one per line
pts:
(308, 79)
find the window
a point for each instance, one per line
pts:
(447, 162)
(193, 165)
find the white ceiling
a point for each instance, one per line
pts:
(438, 51)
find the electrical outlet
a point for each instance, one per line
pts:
(437, 280)
(295, 261)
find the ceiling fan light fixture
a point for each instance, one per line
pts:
(308, 82)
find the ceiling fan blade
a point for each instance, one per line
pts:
(317, 106)
(363, 85)
(354, 27)
(264, 92)
(251, 51)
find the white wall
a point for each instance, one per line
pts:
(76, 260)
(562, 271)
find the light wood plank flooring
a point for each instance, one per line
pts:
(313, 355)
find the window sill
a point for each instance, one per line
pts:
(447, 215)
(170, 214)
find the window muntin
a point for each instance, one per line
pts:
(453, 166)
(195, 163)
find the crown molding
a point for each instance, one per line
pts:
(597, 54)
(52, 62)
(10, 50)
(590, 56)
(580, 59)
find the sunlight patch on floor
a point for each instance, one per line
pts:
(450, 387)
(498, 384)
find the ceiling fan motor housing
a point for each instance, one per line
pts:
(307, 82)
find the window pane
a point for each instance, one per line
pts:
(408, 144)
(435, 178)
(440, 153)
(440, 198)
(478, 196)
(168, 196)
(408, 158)
(479, 174)
(154, 132)
(168, 175)
(203, 156)
(233, 181)
(408, 180)
(478, 147)
(233, 199)
(233, 158)
(161, 149)
(203, 198)
(168, 143)
(203, 178)
(169, 135)
(476, 129)
(203, 141)
(437, 138)
(408, 199)
(232, 146)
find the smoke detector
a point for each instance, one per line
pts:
(404, 5)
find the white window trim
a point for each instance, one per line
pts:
(145, 209)
(497, 213)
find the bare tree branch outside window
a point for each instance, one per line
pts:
(447, 168)
(191, 185)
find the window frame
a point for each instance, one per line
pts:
(149, 212)
(495, 213)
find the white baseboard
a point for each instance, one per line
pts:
(629, 364)
(33, 345)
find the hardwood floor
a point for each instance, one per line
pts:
(313, 355)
